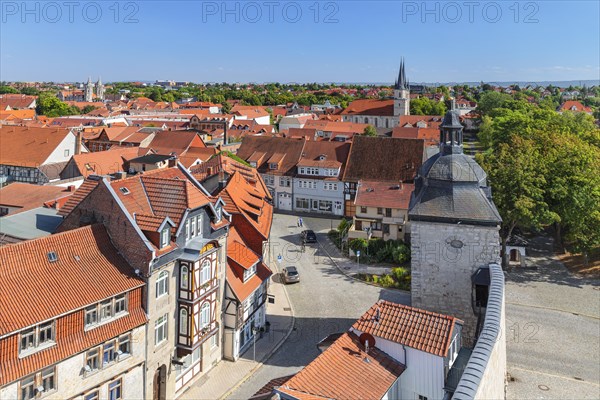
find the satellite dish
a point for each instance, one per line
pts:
(364, 337)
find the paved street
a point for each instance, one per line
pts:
(325, 301)
(553, 330)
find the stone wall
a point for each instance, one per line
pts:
(485, 374)
(444, 258)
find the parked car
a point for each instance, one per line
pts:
(290, 275)
(308, 236)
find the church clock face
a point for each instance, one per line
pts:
(455, 242)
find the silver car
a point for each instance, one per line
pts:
(290, 275)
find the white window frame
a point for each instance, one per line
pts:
(205, 272)
(183, 322)
(164, 237)
(162, 284)
(161, 330)
(205, 315)
(113, 386)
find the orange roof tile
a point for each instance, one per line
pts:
(340, 372)
(88, 270)
(27, 146)
(370, 107)
(384, 194)
(420, 329)
(104, 162)
(149, 222)
(77, 197)
(27, 196)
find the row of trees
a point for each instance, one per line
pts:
(544, 169)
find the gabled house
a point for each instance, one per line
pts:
(278, 174)
(391, 352)
(78, 330)
(245, 296)
(380, 159)
(574, 106)
(35, 155)
(381, 210)
(17, 102)
(317, 185)
(131, 136)
(173, 233)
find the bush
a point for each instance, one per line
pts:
(358, 244)
(387, 281)
(400, 273)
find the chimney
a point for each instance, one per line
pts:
(78, 143)
(209, 171)
(401, 185)
(71, 188)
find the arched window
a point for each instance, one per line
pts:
(183, 321)
(184, 277)
(205, 315)
(162, 284)
(205, 272)
(366, 120)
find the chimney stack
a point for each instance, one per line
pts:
(78, 143)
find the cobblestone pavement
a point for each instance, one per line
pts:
(325, 301)
(552, 329)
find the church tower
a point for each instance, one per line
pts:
(454, 233)
(401, 93)
(100, 89)
(89, 90)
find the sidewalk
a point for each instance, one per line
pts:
(226, 376)
(350, 267)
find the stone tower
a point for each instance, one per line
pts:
(100, 89)
(401, 93)
(89, 90)
(454, 233)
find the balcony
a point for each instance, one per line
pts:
(393, 220)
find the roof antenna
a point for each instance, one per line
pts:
(366, 359)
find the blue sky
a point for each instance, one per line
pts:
(290, 41)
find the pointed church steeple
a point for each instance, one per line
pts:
(401, 82)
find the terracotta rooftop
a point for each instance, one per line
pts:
(432, 121)
(341, 372)
(81, 193)
(384, 194)
(383, 158)
(292, 148)
(335, 126)
(88, 269)
(240, 258)
(266, 391)
(431, 136)
(15, 101)
(574, 105)
(420, 329)
(102, 162)
(27, 146)
(178, 142)
(249, 201)
(334, 154)
(370, 107)
(27, 196)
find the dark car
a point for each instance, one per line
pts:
(308, 236)
(290, 275)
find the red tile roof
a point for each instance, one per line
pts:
(384, 159)
(249, 201)
(420, 329)
(27, 196)
(384, 194)
(27, 146)
(178, 142)
(149, 222)
(88, 270)
(370, 107)
(341, 372)
(253, 146)
(573, 105)
(15, 101)
(104, 162)
(430, 135)
(77, 197)
(335, 126)
(432, 121)
(240, 258)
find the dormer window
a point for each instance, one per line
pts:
(124, 190)
(253, 164)
(165, 237)
(219, 213)
(249, 273)
(273, 166)
(52, 256)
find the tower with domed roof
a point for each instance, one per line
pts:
(454, 232)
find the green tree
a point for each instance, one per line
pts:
(490, 101)
(30, 91)
(425, 106)
(4, 89)
(370, 131)
(517, 174)
(51, 106)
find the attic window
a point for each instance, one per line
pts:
(273, 166)
(124, 190)
(88, 167)
(52, 256)
(322, 157)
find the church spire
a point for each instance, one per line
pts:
(401, 82)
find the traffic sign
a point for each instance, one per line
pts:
(357, 253)
(279, 258)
